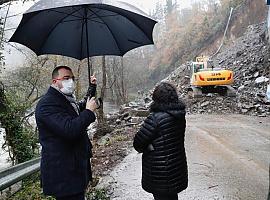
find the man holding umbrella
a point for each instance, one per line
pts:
(66, 148)
(79, 29)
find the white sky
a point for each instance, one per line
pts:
(148, 5)
(14, 58)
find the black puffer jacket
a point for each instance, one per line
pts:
(161, 140)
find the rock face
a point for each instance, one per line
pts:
(249, 58)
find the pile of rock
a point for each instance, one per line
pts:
(130, 114)
(249, 58)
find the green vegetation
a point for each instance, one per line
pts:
(20, 140)
(97, 194)
(31, 190)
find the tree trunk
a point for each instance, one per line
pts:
(103, 128)
(104, 78)
(122, 81)
(102, 92)
(110, 78)
(116, 86)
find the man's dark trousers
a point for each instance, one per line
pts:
(165, 197)
(73, 197)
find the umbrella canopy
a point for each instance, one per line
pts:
(84, 28)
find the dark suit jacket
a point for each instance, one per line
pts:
(66, 148)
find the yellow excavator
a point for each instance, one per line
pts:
(205, 78)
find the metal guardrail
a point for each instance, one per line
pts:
(14, 174)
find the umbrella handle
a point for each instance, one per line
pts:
(87, 46)
(89, 69)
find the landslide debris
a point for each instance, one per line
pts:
(249, 58)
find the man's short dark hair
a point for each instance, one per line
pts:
(55, 72)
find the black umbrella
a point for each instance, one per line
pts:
(84, 28)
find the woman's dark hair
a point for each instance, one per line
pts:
(165, 93)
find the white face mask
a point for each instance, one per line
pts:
(68, 86)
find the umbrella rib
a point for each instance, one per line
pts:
(80, 17)
(135, 42)
(93, 13)
(82, 41)
(105, 16)
(117, 43)
(95, 21)
(55, 27)
(72, 20)
(136, 24)
(96, 13)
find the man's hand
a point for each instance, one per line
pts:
(91, 104)
(93, 79)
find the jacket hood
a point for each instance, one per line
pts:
(177, 110)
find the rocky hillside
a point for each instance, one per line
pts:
(248, 13)
(249, 58)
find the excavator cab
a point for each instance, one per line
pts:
(197, 67)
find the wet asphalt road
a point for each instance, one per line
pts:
(228, 159)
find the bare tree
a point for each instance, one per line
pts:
(102, 91)
(103, 127)
(123, 85)
(6, 1)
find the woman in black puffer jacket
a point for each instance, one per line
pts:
(161, 140)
